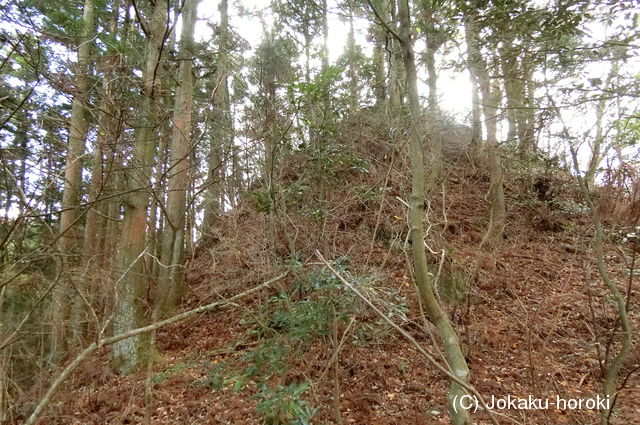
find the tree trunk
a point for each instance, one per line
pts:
(238, 173)
(223, 127)
(394, 59)
(490, 104)
(113, 178)
(171, 277)
(106, 140)
(510, 77)
(453, 351)
(525, 114)
(159, 201)
(476, 115)
(353, 63)
(433, 42)
(614, 363)
(107, 136)
(435, 130)
(126, 355)
(69, 230)
(95, 189)
(380, 38)
(596, 148)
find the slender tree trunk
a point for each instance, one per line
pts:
(223, 126)
(69, 228)
(170, 281)
(238, 174)
(23, 144)
(596, 148)
(308, 39)
(107, 136)
(615, 363)
(432, 77)
(380, 37)
(434, 42)
(525, 114)
(90, 260)
(453, 351)
(5, 377)
(353, 63)
(476, 114)
(190, 233)
(8, 184)
(114, 177)
(156, 212)
(490, 102)
(394, 60)
(509, 63)
(126, 355)
(325, 114)
(113, 183)
(95, 189)
(324, 50)
(102, 178)
(435, 130)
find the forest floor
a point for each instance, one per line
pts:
(534, 309)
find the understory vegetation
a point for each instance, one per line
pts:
(319, 212)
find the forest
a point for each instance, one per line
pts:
(276, 212)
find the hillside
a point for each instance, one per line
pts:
(530, 310)
(292, 212)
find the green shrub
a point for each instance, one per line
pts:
(269, 358)
(284, 405)
(287, 325)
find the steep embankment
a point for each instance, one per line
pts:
(529, 311)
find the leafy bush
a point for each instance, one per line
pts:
(284, 405)
(263, 202)
(267, 359)
(287, 325)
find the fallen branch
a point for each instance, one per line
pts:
(470, 389)
(113, 339)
